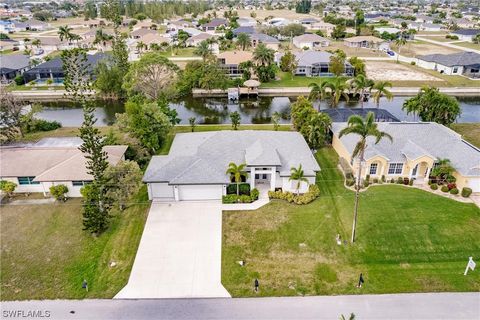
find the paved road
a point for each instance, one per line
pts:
(400, 306)
(180, 254)
(446, 44)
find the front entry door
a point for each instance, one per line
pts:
(414, 172)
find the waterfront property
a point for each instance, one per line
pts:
(415, 150)
(230, 62)
(13, 65)
(315, 64)
(462, 63)
(50, 162)
(53, 69)
(195, 168)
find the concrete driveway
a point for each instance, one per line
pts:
(179, 254)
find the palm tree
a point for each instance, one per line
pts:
(364, 128)
(26, 41)
(243, 40)
(400, 42)
(263, 55)
(317, 92)
(296, 174)
(237, 172)
(101, 37)
(36, 42)
(338, 87)
(380, 90)
(317, 129)
(65, 32)
(361, 84)
(140, 46)
(203, 50)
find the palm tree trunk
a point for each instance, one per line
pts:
(362, 98)
(238, 189)
(357, 194)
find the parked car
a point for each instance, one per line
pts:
(390, 53)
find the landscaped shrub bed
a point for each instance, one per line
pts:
(466, 192)
(244, 188)
(242, 198)
(312, 193)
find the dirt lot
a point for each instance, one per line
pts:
(391, 71)
(417, 48)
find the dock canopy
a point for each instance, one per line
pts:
(251, 83)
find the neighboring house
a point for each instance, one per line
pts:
(415, 150)
(278, 22)
(229, 61)
(214, 24)
(388, 30)
(308, 23)
(150, 39)
(9, 44)
(195, 40)
(7, 26)
(369, 42)
(466, 34)
(195, 168)
(325, 27)
(135, 34)
(13, 65)
(431, 27)
(245, 29)
(246, 22)
(315, 64)
(175, 26)
(53, 69)
(310, 41)
(424, 18)
(268, 41)
(50, 44)
(36, 25)
(462, 63)
(375, 17)
(52, 161)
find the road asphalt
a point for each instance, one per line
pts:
(393, 306)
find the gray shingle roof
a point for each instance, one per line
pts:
(454, 59)
(203, 157)
(14, 61)
(410, 140)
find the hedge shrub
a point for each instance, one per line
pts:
(466, 192)
(454, 191)
(244, 188)
(400, 180)
(434, 186)
(444, 189)
(350, 182)
(59, 191)
(243, 198)
(312, 193)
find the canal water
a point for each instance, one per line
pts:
(256, 110)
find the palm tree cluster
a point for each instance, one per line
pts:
(65, 33)
(339, 87)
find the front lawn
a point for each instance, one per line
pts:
(45, 254)
(408, 241)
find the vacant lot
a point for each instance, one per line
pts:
(469, 131)
(392, 71)
(418, 48)
(469, 45)
(45, 254)
(408, 241)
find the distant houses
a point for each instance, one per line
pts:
(462, 63)
(466, 34)
(310, 41)
(13, 65)
(368, 42)
(268, 41)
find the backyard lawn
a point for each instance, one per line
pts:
(469, 131)
(45, 254)
(408, 240)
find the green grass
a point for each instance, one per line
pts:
(408, 240)
(469, 131)
(469, 45)
(179, 52)
(45, 254)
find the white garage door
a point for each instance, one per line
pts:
(200, 192)
(161, 191)
(474, 184)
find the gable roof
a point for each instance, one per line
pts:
(309, 37)
(13, 62)
(235, 57)
(203, 157)
(261, 37)
(415, 139)
(57, 64)
(455, 59)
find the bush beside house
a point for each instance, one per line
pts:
(312, 193)
(249, 197)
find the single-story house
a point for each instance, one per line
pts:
(325, 27)
(229, 61)
(313, 63)
(35, 25)
(369, 42)
(195, 40)
(135, 34)
(268, 41)
(465, 34)
(462, 63)
(388, 30)
(431, 27)
(310, 41)
(7, 26)
(308, 22)
(214, 24)
(195, 168)
(9, 44)
(175, 26)
(416, 148)
(376, 17)
(37, 167)
(278, 22)
(424, 18)
(53, 69)
(13, 65)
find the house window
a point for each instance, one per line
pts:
(395, 168)
(80, 183)
(373, 168)
(26, 181)
(455, 69)
(474, 70)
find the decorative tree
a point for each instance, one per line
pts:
(237, 173)
(297, 174)
(124, 181)
(379, 90)
(235, 118)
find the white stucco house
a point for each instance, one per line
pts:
(195, 168)
(51, 161)
(310, 41)
(463, 63)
